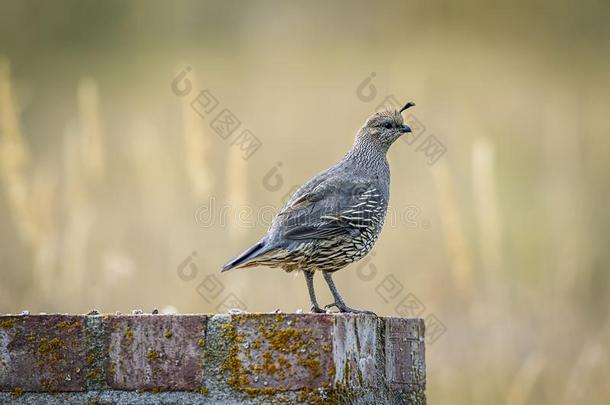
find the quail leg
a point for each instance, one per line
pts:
(339, 303)
(312, 294)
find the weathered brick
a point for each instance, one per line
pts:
(155, 352)
(356, 350)
(404, 347)
(42, 353)
(255, 358)
(280, 351)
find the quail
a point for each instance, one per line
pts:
(334, 218)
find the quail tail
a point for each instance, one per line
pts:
(246, 256)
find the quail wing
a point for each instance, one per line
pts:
(334, 208)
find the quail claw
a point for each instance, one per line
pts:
(344, 308)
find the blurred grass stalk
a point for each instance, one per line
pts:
(486, 205)
(237, 192)
(14, 156)
(451, 218)
(525, 379)
(76, 218)
(32, 204)
(90, 125)
(83, 166)
(196, 148)
(565, 195)
(594, 356)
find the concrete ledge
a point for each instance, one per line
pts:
(205, 359)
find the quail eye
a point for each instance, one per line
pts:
(387, 125)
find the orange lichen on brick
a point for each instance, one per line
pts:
(233, 365)
(152, 355)
(69, 327)
(17, 392)
(284, 347)
(253, 392)
(48, 351)
(8, 323)
(268, 364)
(313, 364)
(93, 374)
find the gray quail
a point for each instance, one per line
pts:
(335, 218)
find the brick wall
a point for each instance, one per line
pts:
(201, 359)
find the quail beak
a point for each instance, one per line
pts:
(405, 129)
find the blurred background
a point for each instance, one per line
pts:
(145, 143)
